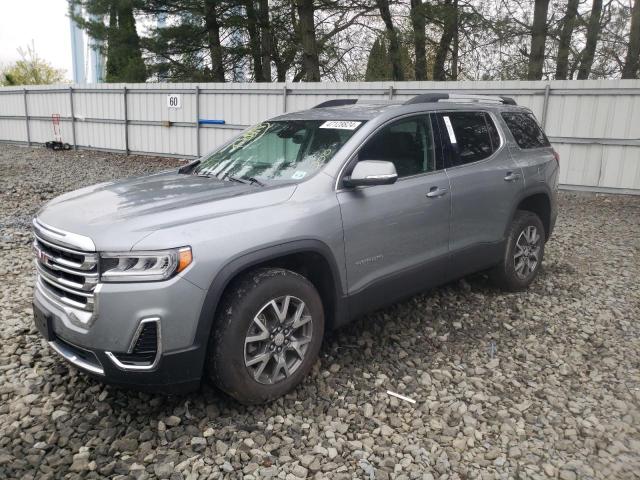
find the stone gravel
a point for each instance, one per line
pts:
(540, 384)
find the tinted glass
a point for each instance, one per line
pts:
(525, 130)
(278, 151)
(407, 143)
(470, 136)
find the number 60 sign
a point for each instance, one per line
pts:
(174, 100)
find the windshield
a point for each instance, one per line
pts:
(278, 151)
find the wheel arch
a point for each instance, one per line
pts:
(537, 201)
(311, 258)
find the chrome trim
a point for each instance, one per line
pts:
(74, 359)
(58, 268)
(381, 177)
(67, 239)
(71, 309)
(59, 253)
(81, 289)
(90, 258)
(140, 368)
(54, 281)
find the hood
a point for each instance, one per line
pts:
(118, 214)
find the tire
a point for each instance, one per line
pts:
(517, 274)
(234, 364)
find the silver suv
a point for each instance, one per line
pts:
(233, 266)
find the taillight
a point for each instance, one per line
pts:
(557, 156)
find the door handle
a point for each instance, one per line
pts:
(512, 177)
(436, 192)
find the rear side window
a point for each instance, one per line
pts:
(525, 130)
(472, 136)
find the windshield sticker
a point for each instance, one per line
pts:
(299, 175)
(249, 135)
(340, 125)
(452, 135)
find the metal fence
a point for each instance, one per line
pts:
(594, 124)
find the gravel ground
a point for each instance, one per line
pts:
(540, 384)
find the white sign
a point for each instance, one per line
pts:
(174, 100)
(341, 125)
(452, 135)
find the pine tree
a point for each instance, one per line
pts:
(379, 64)
(122, 43)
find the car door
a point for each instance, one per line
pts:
(531, 149)
(485, 182)
(396, 236)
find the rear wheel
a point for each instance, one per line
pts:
(267, 335)
(523, 254)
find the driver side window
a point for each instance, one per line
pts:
(408, 143)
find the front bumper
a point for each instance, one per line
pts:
(121, 310)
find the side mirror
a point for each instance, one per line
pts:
(372, 172)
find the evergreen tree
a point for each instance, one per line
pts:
(379, 64)
(119, 35)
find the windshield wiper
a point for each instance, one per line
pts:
(244, 180)
(189, 168)
(255, 180)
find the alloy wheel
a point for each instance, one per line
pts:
(527, 252)
(277, 339)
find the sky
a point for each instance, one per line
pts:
(45, 22)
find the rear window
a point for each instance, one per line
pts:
(525, 130)
(472, 136)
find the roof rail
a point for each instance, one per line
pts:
(338, 102)
(456, 97)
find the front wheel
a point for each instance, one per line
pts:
(267, 335)
(523, 253)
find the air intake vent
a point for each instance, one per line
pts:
(145, 348)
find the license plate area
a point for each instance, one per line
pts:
(43, 323)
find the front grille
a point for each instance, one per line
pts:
(69, 275)
(144, 349)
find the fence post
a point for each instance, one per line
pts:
(73, 119)
(126, 121)
(284, 98)
(390, 94)
(197, 121)
(545, 104)
(26, 115)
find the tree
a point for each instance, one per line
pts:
(307, 33)
(449, 15)
(255, 46)
(124, 56)
(538, 39)
(418, 22)
(632, 60)
(392, 35)
(212, 28)
(266, 39)
(379, 65)
(31, 70)
(564, 42)
(593, 31)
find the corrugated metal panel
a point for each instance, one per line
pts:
(595, 124)
(13, 130)
(12, 104)
(156, 139)
(42, 131)
(100, 135)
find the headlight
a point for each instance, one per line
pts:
(143, 266)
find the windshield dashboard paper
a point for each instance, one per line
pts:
(340, 125)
